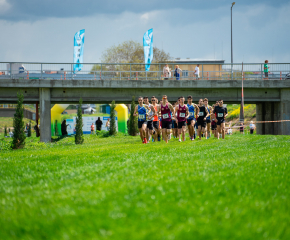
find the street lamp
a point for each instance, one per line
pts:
(232, 37)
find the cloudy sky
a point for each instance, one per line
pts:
(43, 30)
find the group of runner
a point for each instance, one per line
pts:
(156, 120)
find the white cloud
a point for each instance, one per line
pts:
(4, 6)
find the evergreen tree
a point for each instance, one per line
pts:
(55, 128)
(5, 131)
(133, 121)
(9, 130)
(113, 130)
(79, 137)
(18, 124)
(29, 130)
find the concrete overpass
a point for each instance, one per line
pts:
(271, 96)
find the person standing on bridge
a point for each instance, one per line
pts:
(196, 72)
(177, 72)
(166, 71)
(266, 69)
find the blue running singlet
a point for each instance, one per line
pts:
(141, 113)
(191, 110)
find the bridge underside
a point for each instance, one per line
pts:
(272, 97)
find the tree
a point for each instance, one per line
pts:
(79, 137)
(5, 131)
(133, 121)
(55, 128)
(113, 130)
(29, 130)
(18, 124)
(128, 52)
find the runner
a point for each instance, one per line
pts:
(221, 113)
(213, 123)
(150, 115)
(174, 124)
(208, 122)
(165, 107)
(155, 120)
(159, 120)
(142, 118)
(182, 114)
(192, 109)
(201, 120)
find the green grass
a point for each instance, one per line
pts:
(118, 188)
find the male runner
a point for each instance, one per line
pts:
(165, 107)
(213, 123)
(149, 128)
(182, 114)
(192, 109)
(208, 122)
(201, 120)
(142, 118)
(155, 120)
(174, 123)
(221, 113)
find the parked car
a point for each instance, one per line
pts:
(287, 76)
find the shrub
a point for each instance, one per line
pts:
(5, 131)
(79, 137)
(133, 121)
(18, 124)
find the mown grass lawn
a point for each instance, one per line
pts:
(118, 188)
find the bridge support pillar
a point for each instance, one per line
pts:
(45, 114)
(260, 127)
(285, 111)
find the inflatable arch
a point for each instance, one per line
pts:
(57, 109)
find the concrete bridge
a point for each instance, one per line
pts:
(272, 97)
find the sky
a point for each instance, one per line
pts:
(43, 30)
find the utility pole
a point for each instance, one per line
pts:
(232, 38)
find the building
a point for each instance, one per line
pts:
(208, 69)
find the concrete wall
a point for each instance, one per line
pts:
(9, 112)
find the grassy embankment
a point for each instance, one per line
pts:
(118, 188)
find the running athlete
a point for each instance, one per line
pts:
(155, 120)
(208, 123)
(221, 113)
(213, 123)
(192, 109)
(174, 124)
(142, 118)
(165, 107)
(182, 114)
(201, 120)
(150, 115)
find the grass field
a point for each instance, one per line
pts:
(118, 188)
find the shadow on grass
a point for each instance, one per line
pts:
(61, 137)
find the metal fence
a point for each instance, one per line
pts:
(136, 71)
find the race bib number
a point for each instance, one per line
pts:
(201, 114)
(220, 114)
(165, 116)
(142, 116)
(191, 114)
(182, 115)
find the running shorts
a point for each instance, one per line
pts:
(140, 123)
(150, 125)
(166, 124)
(202, 124)
(220, 121)
(181, 124)
(156, 124)
(213, 126)
(190, 120)
(208, 121)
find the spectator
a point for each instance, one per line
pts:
(166, 71)
(242, 128)
(63, 128)
(252, 127)
(26, 127)
(230, 131)
(196, 72)
(108, 124)
(177, 72)
(92, 128)
(266, 69)
(99, 124)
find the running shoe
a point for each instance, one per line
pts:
(179, 140)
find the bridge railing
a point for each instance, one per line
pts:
(136, 71)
